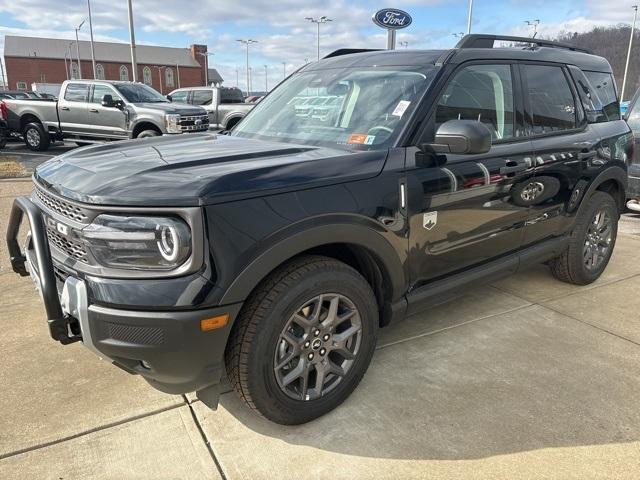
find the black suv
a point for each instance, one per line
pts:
(275, 253)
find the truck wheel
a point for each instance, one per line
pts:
(303, 340)
(591, 243)
(36, 137)
(148, 134)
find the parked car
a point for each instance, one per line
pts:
(99, 110)
(633, 119)
(4, 128)
(224, 105)
(274, 254)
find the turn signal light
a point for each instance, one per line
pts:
(214, 323)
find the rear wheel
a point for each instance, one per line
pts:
(148, 134)
(36, 138)
(591, 243)
(304, 340)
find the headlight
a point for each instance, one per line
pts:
(172, 123)
(138, 243)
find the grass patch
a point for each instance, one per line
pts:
(11, 168)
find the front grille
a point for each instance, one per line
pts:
(72, 248)
(189, 123)
(65, 209)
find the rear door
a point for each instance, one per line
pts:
(72, 109)
(204, 98)
(462, 208)
(563, 145)
(108, 122)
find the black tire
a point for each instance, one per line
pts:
(571, 266)
(148, 134)
(3, 143)
(36, 138)
(252, 350)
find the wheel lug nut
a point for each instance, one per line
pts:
(306, 344)
(316, 333)
(326, 337)
(310, 356)
(323, 351)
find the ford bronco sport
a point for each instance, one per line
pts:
(275, 253)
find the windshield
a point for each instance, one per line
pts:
(352, 108)
(139, 93)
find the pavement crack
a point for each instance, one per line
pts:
(87, 432)
(204, 438)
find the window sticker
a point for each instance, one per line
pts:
(369, 140)
(401, 108)
(358, 138)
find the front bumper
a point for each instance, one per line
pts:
(168, 348)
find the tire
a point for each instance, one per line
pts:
(36, 138)
(256, 340)
(148, 134)
(573, 265)
(3, 143)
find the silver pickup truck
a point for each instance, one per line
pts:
(90, 111)
(225, 105)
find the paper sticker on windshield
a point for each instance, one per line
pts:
(361, 139)
(401, 108)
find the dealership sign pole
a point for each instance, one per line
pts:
(391, 19)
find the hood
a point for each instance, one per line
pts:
(168, 107)
(198, 169)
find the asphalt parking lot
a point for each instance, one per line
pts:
(524, 378)
(16, 160)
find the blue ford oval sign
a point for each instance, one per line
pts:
(392, 18)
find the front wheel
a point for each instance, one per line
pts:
(36, 137)
(591, 243)
(148, 134)
(304, 340)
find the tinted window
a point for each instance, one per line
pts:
(230, 95)
(483, 93)
(603, 92)
(100, 91)
(180, 97)
(552, 103)
(633, 116)
(202, 97)
(76, 92)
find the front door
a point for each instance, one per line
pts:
(464, 209)
(106, 122)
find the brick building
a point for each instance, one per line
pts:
(48, 60)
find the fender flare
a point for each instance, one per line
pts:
(613, 172)
(294, 244)
(232, 116)
(136, 122)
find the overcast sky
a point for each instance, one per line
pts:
(281, 29)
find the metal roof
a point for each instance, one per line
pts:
(105, 51)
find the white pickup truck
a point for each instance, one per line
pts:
(90, 111)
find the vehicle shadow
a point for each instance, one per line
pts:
(521, 381)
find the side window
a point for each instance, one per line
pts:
(76, 92)
(180, 96)
(633, 117)
(202, 97)
(483, 93)
(100, 91)
(552, 104)
(603, 88)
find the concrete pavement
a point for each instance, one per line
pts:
(524, 378)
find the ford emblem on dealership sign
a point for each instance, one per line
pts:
(391, 18)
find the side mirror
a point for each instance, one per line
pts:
(464, 137)
(107, 101)
(169, 98)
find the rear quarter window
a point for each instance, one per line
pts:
(598, 94)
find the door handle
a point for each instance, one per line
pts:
(64, 108)
(586, 155)
(93, 110)
(513, 167)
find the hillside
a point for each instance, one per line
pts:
(612, 43)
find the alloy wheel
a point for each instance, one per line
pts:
(33, 137)
(317, 346)
(598, 240)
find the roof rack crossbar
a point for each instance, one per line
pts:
(487, 41)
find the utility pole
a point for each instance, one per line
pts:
(66, 68)
(534, 24)
(237, 77)
(470, 18)
(266, 83)
(70, 72)
(206, 63)
(626, 67)
(78, 50)
(318, 21)
(284, 70)
(132, 41)
(93, 52)
(247, 42)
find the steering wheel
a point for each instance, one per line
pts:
(380, 127)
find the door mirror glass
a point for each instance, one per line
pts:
(462, 137)
(170, 98)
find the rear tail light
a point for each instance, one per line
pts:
(4, 114)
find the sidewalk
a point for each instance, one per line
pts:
(525, 378)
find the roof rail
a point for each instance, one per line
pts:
(348, 51)
(487, 41)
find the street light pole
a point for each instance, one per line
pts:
(78, 50)
(132, 42)
(93, 52)
(404, 44)
(626, 67)
(284, 70)
(247, 42)
(318, 21)
(534, 24)
(266, 83)
(470, 19)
